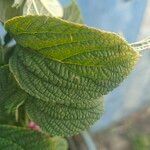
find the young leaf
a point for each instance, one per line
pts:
(66, 70)
(11, 96)
(72, 13)
(16, 138)
(67, 111)
(70, 119)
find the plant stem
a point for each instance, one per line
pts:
(141, 45)
(88, 140)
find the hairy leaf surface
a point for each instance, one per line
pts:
(66, 67)
(63, 107)
(16, 138)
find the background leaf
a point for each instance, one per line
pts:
(56, 112)
(17, 138)
(80, 53)
(72, 13)
(43, 7)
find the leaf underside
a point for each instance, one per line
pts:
(16, 138)
(46, 7)
(66, 68)
(52, 117)
(59, 119)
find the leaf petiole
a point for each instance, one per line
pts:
(142, 45)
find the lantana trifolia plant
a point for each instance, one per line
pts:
(54, 72)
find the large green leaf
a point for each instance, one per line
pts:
(66, 67)
(59, 119)
(16, 138)
(11, 96)
(68, 57)
(72, 13)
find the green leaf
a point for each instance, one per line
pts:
(16, 138)
(11, 96)
(7, 145)
(74, 57)
(60, 119)
(67, 69)
(72, 13)
(140, 141)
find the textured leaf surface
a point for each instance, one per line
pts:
(72, 13)
(93, 60)
(61, 107)
(16, 138)
(11, 96)
(68, 68)
(51, 80)
(1, 56)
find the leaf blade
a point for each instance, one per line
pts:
(69, 64)
(61, 104)
(25, 139)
